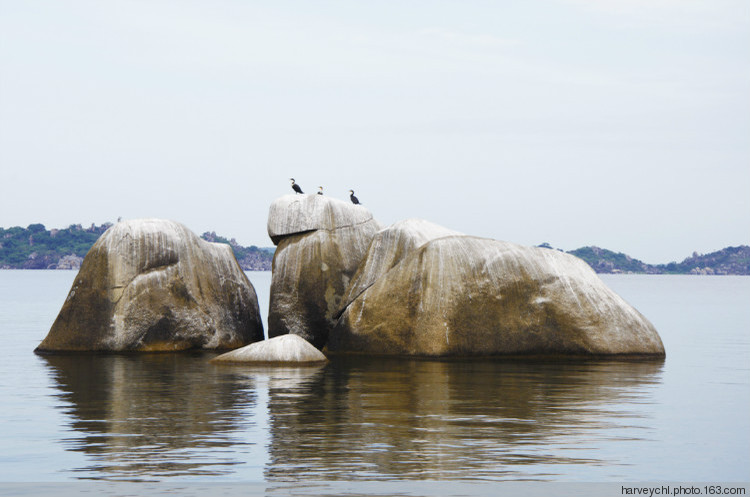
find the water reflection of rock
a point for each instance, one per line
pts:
(377, 418)
(153, 416)
(288, 378)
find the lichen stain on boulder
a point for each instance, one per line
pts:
(153, 285)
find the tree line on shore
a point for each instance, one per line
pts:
(36, 247)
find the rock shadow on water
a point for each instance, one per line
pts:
(384, 418)
(152, 416)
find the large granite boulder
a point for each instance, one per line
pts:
(320, 243)
(153, 285)
(284, 349)
(462, 295)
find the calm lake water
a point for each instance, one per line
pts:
(175, 417)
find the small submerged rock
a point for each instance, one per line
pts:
(285, 349)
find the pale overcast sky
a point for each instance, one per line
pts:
(618, 123)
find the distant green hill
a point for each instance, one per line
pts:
(730, 260)
(607, 261)
(36, 247)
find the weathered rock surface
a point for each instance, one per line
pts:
(388, 247)
(295, 214)
(282, 349)
(463, 295)
(153, 285)
(320, 243)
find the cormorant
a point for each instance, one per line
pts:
(296, 187)
(355, 200)
(320, 190)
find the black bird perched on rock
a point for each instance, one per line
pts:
(296, 187)
(320, 190)
(355, 200)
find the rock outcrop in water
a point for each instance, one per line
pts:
(416, 288)
(320, 243)
(153, 285)
(285, 349)
(462, 295)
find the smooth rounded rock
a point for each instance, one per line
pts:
(468, 296)
(312, 268)
(153, 285)
(294, 214)
(284, 349)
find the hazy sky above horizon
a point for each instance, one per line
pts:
(623, 124)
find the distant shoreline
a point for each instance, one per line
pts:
(727, 261)
(36, 247)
